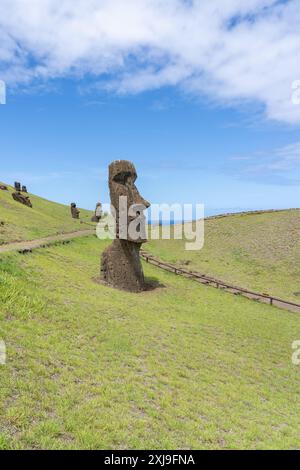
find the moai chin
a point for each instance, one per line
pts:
(120, 265)
(74, 211)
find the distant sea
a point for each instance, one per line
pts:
(207, 213)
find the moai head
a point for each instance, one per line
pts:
(127, 202)
(74, 211)
(24, 189)
(17, 186)
(98, 213)
(98, 210)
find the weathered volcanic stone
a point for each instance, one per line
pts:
(98, 213)
(17, 186)
(74, 211)
(17, 196)
(120, 265)
(24, 189)
(3, 187)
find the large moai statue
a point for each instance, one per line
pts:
(19, 197)
(74, 211)
(17, 186)
(120, 265)
(98, 213)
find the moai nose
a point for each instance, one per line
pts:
(140, 200)
(146, 203)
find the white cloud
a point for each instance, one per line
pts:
(287, 158)
(282, 160)
(279, 166)
(230, 51)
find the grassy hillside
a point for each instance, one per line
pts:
(257, 251)
(182, 366)
(43, 219)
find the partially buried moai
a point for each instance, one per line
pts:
(74, 211)
(19, 197)
(120, 265)
(98, 213)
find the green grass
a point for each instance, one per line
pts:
(179, 367)
(256, 251)
(45, 218)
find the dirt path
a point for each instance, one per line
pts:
(42, 242)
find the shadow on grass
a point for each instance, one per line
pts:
(151, 284)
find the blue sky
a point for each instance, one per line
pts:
(193, 134)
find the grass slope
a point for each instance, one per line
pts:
(183, 366)
(45, 218)
(257, 251)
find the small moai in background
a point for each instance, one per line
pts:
(24, 189)
(98, 213)
(74, 211)
(17, 196)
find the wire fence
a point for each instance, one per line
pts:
(219, 284)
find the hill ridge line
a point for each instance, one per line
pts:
(254, 212)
